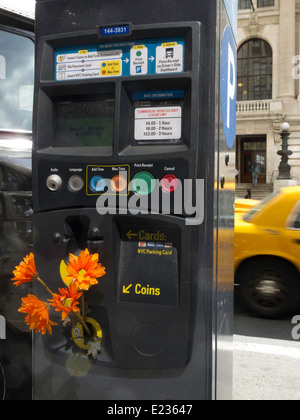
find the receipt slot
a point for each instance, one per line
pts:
(133, 159)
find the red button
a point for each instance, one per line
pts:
(169, 183)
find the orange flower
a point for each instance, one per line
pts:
(26, 271)
(84, 270)
(37, 314)
(66, 301)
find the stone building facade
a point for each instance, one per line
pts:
(268, 86)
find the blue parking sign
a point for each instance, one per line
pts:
(228, 86)
(232, 11)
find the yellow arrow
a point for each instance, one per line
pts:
(126, 289)
(130, 234)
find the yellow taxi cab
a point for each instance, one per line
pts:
(267, 255)
(244, 205)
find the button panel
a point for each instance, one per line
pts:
(108, 179)
(116, 179)
(81, 184)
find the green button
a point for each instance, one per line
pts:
(143, 183)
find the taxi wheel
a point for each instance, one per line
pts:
(269, 287)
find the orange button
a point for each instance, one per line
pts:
(119, 183)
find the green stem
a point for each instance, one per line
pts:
(83, 305)
(82, 321)
(78, 315)
(45, 286)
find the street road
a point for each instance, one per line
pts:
(266, 358)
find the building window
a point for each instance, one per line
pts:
(255, 71)
(244, 4)
(265, 3)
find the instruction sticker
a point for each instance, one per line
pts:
(131, 58)
(111, 68)
(138, 60)
(169, 58)
(151, 274)
(161, 123)
(88, 65)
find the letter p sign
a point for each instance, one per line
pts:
(228, 86)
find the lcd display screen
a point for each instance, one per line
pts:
(84, 123)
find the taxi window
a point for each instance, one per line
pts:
(16, 82)
(296, 224)
(294, 221)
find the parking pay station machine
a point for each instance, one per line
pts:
(133, 159)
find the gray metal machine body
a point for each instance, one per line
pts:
(166, 303)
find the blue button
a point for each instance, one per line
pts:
(98, 183)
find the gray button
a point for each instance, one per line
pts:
(76, 183)
(54, 183)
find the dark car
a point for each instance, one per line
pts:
(16, 214)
